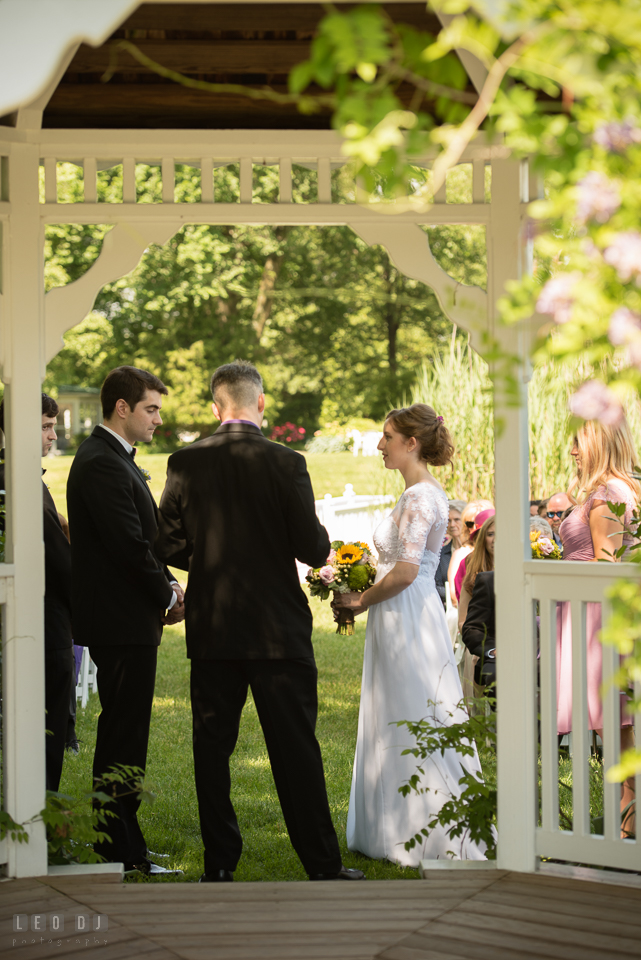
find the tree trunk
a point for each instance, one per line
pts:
(392, 316)
(264, 300)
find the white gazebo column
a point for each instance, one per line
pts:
(516, 664)
(23, 626)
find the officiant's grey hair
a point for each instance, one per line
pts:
(236, 384)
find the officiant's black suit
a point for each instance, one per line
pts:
(119, 594)
(236, 512)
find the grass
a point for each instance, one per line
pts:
(171, 824)
(329, 472)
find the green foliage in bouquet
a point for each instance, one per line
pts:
(358, 578)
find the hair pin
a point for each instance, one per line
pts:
(440, 419)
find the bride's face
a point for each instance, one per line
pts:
(396, 449)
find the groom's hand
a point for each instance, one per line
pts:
(177, 612)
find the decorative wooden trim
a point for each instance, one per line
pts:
(121, 252)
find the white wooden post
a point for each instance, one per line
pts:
(23, 623)
(516, 664)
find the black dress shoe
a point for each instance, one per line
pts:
(344, 873)
(150, 869)
(217, 876)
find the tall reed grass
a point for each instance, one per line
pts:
(457, 385)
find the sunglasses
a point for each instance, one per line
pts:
(469, 524)
(555, 513)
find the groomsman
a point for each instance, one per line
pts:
(59, 661)
(121, 593)
(236, 512)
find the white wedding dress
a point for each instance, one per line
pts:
(408, 661)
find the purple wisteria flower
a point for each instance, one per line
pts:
(624, 254)
(594, 401)
(625, 327)
(598, 198)
(556, 297)
(617, 135)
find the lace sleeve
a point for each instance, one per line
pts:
(415, 522)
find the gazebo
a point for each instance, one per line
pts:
(54, 109)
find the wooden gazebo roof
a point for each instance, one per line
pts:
(255, 44)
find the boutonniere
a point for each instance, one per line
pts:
(145, 473)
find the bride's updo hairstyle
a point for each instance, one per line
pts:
(421, 422)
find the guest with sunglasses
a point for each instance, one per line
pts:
(468, 517)
(557, 505)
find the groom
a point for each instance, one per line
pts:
(237, 511)
(121, 594)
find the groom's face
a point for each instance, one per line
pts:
(141, 422)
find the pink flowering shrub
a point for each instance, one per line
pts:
(288, 433)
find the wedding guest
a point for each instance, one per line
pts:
(58, 652)
(468, 516)
(121, 593)
(542, 511)
(534, 507)
(479, 520)
(453, 541)
(479, 561)
(556, 508)
(605, 458)
(479, 629)
(539, 523)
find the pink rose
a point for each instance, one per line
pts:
(332, 556)
(326, 575)
(546, 546)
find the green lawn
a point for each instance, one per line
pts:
(171, 824)
(329, 472)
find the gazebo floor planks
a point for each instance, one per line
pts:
(448, 916)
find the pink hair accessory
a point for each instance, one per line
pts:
(440, 419)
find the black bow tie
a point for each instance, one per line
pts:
(132, 453)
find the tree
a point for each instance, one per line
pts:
(334, 327)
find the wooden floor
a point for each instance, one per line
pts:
(449, 916)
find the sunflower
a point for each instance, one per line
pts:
(348, 553)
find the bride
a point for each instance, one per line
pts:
(408, 658)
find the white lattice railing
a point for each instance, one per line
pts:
(547, 583)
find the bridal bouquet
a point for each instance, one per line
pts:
(350, 567)
(542, 547)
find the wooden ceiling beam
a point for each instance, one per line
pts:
(258, 17)
(199, 56)
(168, 106)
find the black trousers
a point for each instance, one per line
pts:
(286, 700)
(59, 677)
(126, 677)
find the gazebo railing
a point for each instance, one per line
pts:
(547, 584)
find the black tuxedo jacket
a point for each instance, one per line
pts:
(57, 573)
(119, 588)
(237, 510)
(479, 629)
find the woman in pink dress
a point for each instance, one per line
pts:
(605, 458)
